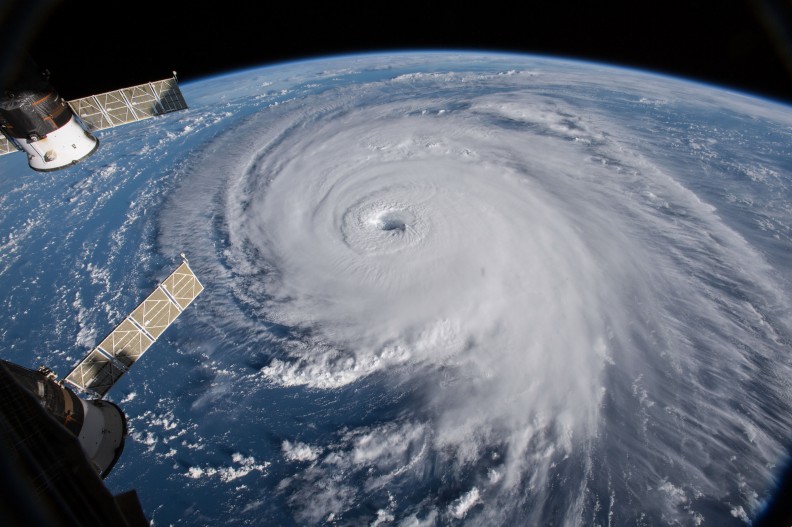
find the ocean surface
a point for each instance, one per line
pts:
(441, 288)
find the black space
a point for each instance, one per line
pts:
(91, 46)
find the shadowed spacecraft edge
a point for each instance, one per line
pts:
(39, 447)
(99, 425)
(55, 446)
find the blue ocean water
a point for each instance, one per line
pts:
(585, 318)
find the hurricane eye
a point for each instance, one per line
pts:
(391, 221)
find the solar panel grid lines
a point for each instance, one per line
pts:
(155, 313)
(127, 105)
(101, 368)
(117, 107)
(6, 146)
(94, 374)
(183, 285)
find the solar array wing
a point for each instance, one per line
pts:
(113, 357)
(6, 146)
(128, 105)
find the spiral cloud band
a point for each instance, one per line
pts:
(572, 319)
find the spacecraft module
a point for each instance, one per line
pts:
(56, 133)
(99, 425)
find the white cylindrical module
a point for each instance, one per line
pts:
(102, 434)
(99, 426)
(58, 149)
(40, 122)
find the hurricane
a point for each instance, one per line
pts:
(490, 296)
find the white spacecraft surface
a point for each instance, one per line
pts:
(99, 425)
(56, 133)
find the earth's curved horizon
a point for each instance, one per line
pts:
(441, 288)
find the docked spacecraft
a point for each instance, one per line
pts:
(99, 425)
(56, 133)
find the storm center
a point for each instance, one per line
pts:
(392, 221)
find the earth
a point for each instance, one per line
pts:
(441, 288)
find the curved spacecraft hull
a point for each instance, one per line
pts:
(38, 121)
(56, 134)
(65, 146)
(99, 425)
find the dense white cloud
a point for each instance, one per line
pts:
(300, 451)
(241, 466)
(467, 501)
(521, 256)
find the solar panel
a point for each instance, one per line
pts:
(183, 286)
(128, 105)
(6, 146)
(98, 371)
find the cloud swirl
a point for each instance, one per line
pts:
(560, 303)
